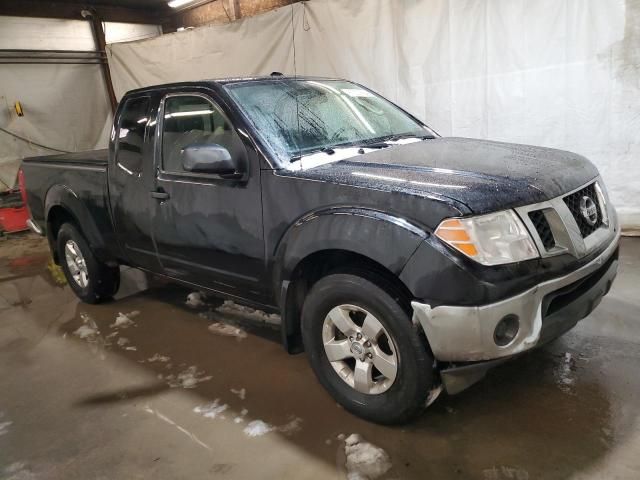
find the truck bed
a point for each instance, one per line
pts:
(76, 182)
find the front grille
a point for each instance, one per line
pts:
(542, 227)
(573, 203)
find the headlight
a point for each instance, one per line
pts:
(492, 239)
(602, 200)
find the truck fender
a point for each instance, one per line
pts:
(383, 238)
(63, 197)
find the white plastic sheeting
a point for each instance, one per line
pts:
(65, 106)
(558, 73)
(252, 46)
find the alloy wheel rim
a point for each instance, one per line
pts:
(76, 264)
(360, 349)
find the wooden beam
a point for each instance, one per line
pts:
(221, 11)
(71, 11)
(101, 46)
(233, 8)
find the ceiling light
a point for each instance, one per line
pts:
(180, 3)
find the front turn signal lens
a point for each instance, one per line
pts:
(493, 239)
(455, 234)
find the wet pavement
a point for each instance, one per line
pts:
(149, 387)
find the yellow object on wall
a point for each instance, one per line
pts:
(19, 111)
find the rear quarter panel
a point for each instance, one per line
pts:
(79, 185)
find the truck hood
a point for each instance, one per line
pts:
(485, 176)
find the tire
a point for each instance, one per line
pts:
(388, 400)
(97, 282)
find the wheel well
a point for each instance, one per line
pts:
(55, 219)
(319, 264)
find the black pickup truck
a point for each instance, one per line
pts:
(400, 261)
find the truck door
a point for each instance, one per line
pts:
(131, 175)
(207, 228)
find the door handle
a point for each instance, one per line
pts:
(159, 195)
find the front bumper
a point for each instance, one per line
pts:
(466, 334)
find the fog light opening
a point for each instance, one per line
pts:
(506, 330)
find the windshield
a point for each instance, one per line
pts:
(298, 117)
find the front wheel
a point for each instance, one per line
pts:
(365, 350)
(91, 280)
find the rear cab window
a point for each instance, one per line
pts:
(131, 134)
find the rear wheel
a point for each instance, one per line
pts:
(91, 280)
(365, 350)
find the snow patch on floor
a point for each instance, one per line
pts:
(188, 378)
(195, 300)
(257, 428)
(17, 471)
(158, 358)
(86, 332)
(125, 320)
(365, 461)
(225, 330)
(241, 393)
(230, 307)
(291, 427)
(240, 418)
(4, 427)
(123, 342)
(211, 410)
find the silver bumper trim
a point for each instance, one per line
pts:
(465, 334)
(33, 226)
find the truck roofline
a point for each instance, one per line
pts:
(226, 81)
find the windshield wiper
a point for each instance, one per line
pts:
(384, 141)
(372, 145)
(395, 138)
(377, 143)
(327, 150)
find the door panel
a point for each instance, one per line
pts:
(207, 229)
(129, 185)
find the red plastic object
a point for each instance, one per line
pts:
(14, 211)
(23, 186)
(13, 219)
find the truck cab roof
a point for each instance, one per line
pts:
(227, 81)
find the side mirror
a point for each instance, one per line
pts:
(207, 158)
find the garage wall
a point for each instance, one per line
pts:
(558, 73)
(250, 46)
(65, 106)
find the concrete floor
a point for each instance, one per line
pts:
(116, 403)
